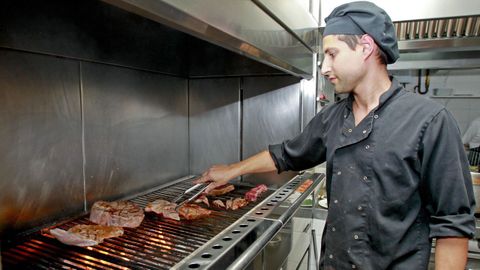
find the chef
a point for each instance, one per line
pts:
(397, 174)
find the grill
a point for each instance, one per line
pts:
(159, 243)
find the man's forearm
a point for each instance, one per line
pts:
(451, 253)
(221, 174)
(261, 162)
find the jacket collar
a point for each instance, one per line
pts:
(395, 90)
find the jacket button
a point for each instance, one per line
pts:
(333, 229)
(349, 130)
(364, 131)
(330, 256)
(360, 208)
(365, 178)
(339, 172)
(367, 147)
(355, 237)
(354, 266)
(375, 116)
(336, 201)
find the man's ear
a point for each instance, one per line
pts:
(368, 45)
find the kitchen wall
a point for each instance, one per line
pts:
(116, 104)
(458, 90)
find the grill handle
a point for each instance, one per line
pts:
(247, 257)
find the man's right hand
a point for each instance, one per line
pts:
(217, 175)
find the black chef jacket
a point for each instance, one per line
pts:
(394, 181)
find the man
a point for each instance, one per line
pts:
(471, 141)
(397, 174)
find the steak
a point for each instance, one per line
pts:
(86, 235)
(253, 193)
(163, 208)
(221, 190)
(118, 213)
(192, 211)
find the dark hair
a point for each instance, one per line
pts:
(354, 40)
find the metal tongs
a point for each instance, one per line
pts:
(189, 199)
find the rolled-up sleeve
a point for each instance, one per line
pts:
(302, 152)
(446, 180)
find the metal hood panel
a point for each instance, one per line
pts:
(407, 10)
(246, 27)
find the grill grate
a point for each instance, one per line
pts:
(157, 244)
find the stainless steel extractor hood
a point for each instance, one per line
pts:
(282, 34)
(430, 34)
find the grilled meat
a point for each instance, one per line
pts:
(118, 213)
(253, 193)
(228, 204)
(163, 208)
(304, 186)
(221, 190)
(219, 204)
(202, 199)
(86, 235)
(238, 203)
(193, 211)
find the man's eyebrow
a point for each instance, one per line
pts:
(330, 50)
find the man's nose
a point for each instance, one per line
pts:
(325, 67)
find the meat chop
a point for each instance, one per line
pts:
(118, 213)
(238, 203)
(221, 190)
(193, 211)
(202, 199)
(219, 204)
(163, 208)
(86, 235)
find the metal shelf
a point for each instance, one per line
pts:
(456, 97)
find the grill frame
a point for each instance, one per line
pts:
(159, 243)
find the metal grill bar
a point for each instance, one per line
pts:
(437, 28)
(157, 244)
